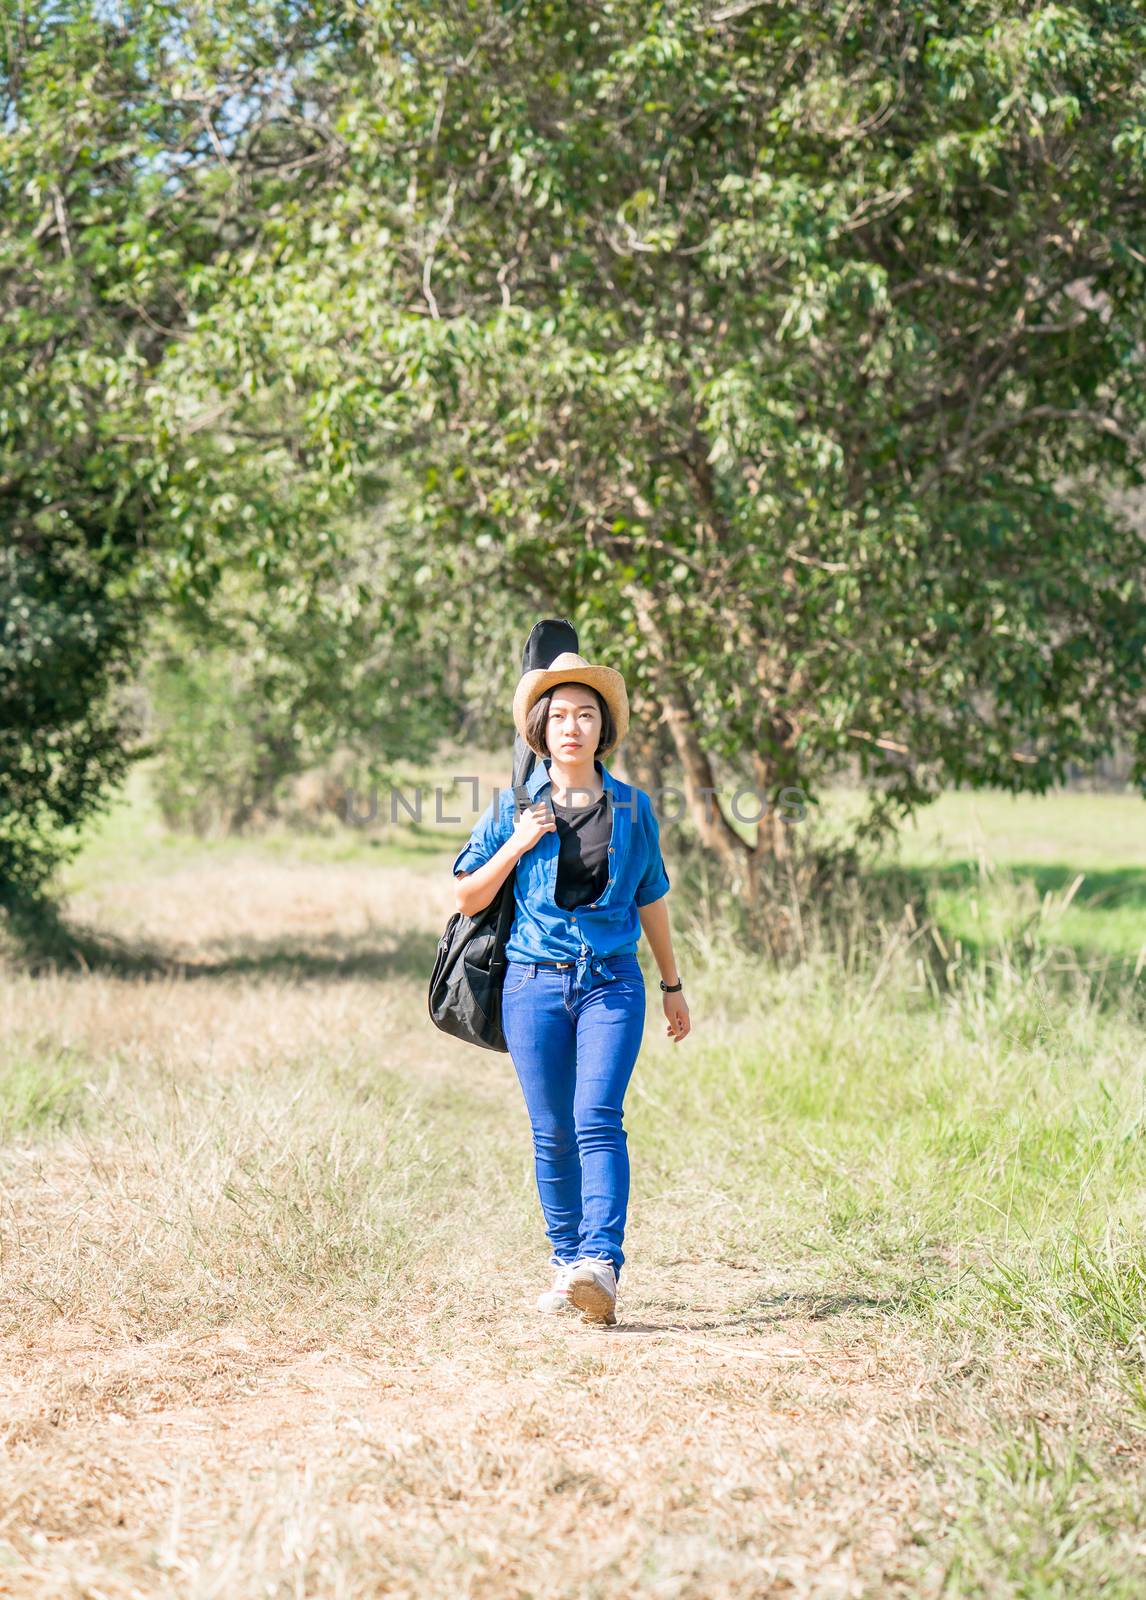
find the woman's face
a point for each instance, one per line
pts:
(573, 729)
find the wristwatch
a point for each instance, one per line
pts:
(671, 988)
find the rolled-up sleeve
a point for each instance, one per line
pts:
(490, 832)
(654, 880)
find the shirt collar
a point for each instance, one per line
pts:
(539, 778)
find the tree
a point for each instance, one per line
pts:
(139, 144)
(329, 667)
(792, 350)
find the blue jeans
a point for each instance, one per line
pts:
(574, 1053)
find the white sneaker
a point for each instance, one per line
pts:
(558, 1298)
(593, 1289)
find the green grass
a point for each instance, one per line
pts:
(1005, 1125)
(1035, 1519)
(1066, 868)
(41, 1092)
(1085, 830)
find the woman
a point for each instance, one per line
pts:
(588, 876)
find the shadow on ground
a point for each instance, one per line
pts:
(49, 944)
(40, 939)
(768, 1311)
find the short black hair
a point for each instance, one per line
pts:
(537, 722)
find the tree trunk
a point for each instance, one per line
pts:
(677, 714)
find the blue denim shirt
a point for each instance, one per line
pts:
(541, 929)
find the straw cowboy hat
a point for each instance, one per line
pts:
(569, 667)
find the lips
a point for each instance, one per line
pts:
(570, 744)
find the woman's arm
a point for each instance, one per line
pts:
(655, 922)
(473, 891)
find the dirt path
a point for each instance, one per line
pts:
(692, 1450)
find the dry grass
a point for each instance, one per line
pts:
(242, 1465)
(271, 1243)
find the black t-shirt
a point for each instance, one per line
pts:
(583, 860)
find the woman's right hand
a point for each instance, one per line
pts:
(536, 820)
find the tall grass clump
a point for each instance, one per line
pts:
(958, 1131)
